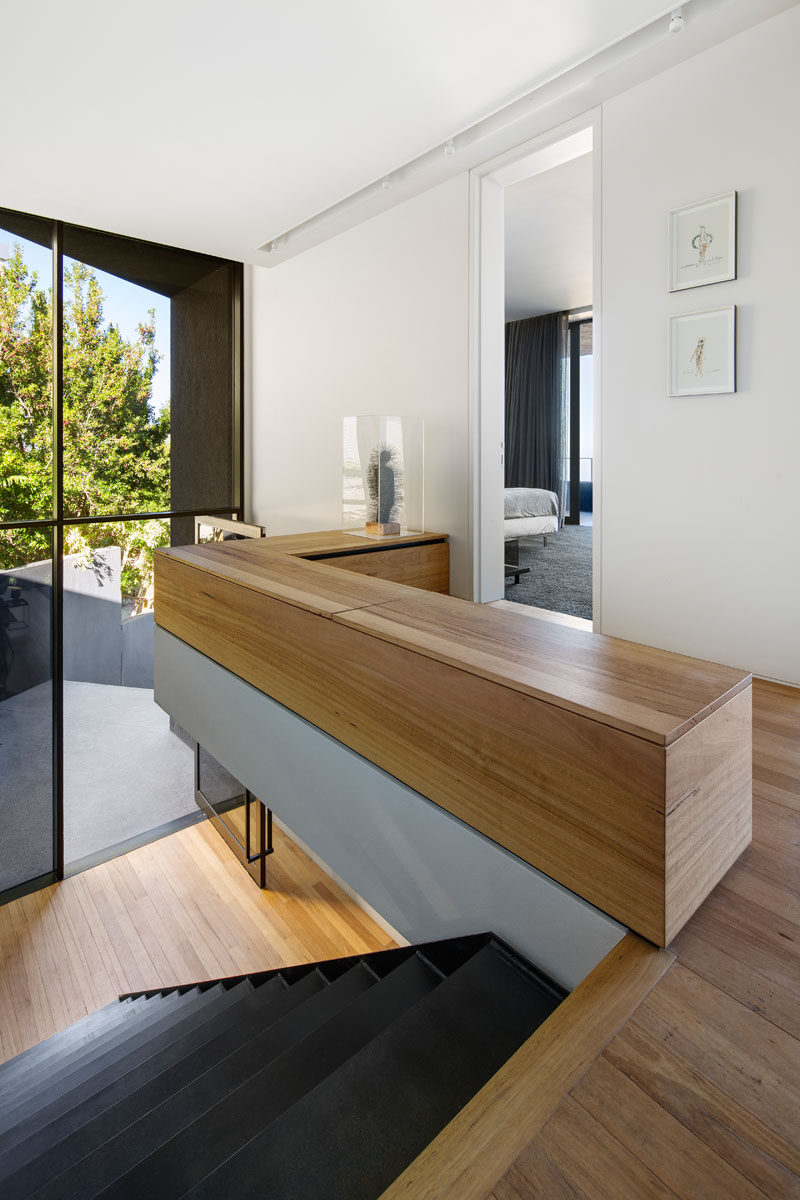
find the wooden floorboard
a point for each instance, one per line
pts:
(489, 1132)
(178, 910)
(729, 1128)
(698, 1095)
(670, 1151)
(592, 1161)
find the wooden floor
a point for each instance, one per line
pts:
(543, 614)
(698, 1096)
(179, 910)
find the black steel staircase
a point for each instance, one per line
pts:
(324, 1080)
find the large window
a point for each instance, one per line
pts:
(120, 419)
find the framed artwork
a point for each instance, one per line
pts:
(702, 352)
(702, 243)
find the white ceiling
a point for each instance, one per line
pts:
(219, 125)
(548, 228)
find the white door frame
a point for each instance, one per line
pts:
(487, 347)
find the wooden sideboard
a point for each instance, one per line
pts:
(621, 771)
(420, 560)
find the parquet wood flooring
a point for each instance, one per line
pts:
(176, 911)
(698, 1095)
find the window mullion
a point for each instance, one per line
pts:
(57, 611)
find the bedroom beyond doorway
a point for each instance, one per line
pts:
(548, 411)
(549, 421)
(559, 578)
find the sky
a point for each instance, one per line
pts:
(125, 304)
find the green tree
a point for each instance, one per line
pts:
(26, 436)
(116, 446)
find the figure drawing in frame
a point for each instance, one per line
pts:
(702, 243)
(702, 350)
(697, 356)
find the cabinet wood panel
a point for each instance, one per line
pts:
(426, 567)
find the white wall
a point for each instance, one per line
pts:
(373, 321)
(701, 551)
(700, 496)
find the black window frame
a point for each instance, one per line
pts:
(59, 522)
(574, 455)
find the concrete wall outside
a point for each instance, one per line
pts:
(137, 651)
(99, 647)
(93, 617)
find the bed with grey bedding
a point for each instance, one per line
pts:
(529, 511)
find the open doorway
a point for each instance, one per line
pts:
(547, 525)
(536, 263)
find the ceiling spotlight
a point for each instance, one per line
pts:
(676, 21)
(450, 147)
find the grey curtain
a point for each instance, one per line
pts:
(537, 364)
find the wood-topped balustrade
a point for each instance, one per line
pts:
(620, 770)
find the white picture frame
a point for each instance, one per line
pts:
(702, 352)
(702, 243)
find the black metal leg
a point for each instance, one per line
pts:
(516, 571)
(252, 851)
(265, 846)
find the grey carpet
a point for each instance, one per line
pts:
(124, 774)
(560, 578)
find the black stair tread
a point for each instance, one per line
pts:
(80, 1031)
(54, 1075)
(81, 1104)
(51, 1125)
(222, 1129)
(131, 1094)
(123, 1152)
(115, 1011)
(351, 1136)
(50, 1070)
(90, 1074)
(103, 1063)
(74, 1036)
